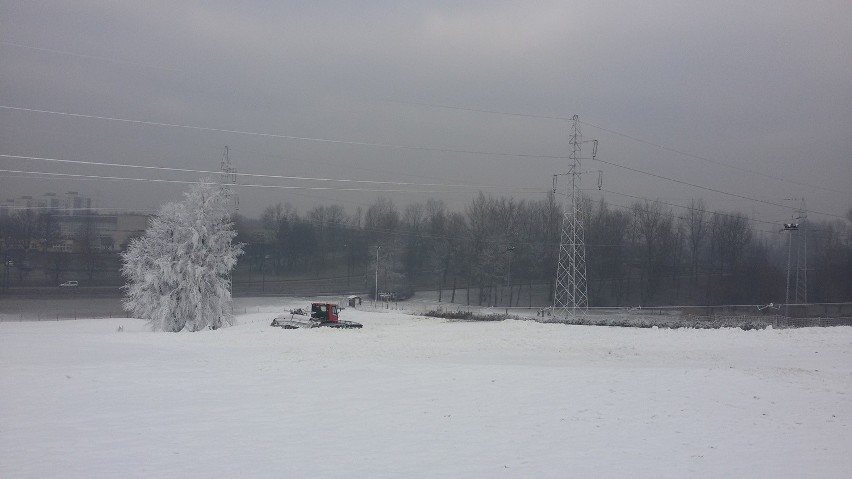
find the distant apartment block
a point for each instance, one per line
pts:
(70, 203)
(77, 225)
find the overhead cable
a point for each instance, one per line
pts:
(254, 175)
(282, 136)
(84, 55)
(630, 137)
(707, 188)
(242, 185)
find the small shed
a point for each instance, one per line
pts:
(354, 300)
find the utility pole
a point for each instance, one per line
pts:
(802, 256)
(376, 296)
(6, 263)
(509, 250)
(797, 225)
(789, 228)
(570, 295)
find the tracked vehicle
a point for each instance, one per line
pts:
(321, 315)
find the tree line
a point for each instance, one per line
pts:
(494, 251)
(503, 251)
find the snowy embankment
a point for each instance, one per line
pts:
(422, 397)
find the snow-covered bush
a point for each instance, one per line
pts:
(468, 316)
(177, 273)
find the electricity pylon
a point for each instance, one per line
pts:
(229, 177)
(570, 295)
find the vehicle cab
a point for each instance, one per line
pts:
(325, 312)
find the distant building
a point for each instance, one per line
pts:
(71, 203)
(7, 207)
(77, 226)
(102, 232)
(75, 202)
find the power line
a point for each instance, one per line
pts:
(409, 233)
(60, 208)
(813, 229)
(709, 160)
(323, 198)
(674, 216)
(281, 136)
(338, 164)
(630, 137)
(255, 175)
(387, 145)
(244, 185)
(449, 107)
(84, 55)
(53, 178)
(707, 188)
(685, 207)
(478, 110)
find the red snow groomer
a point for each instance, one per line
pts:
(322, 314)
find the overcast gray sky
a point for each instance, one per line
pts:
(752, 98)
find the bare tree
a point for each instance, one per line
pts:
(415, 253)
(695, 226)
(655, 227)
(606, 241)
(734, 233)
(381, 224)
(277, 222)
(327, 222)
(89, 250)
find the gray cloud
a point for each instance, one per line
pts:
(763, 86)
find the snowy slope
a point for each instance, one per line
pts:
(421, 397)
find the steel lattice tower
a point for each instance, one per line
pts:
(570, 296)
(229, 176)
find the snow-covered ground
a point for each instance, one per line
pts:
(419, 397)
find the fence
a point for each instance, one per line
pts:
(65, 316)
(810, 315)
(663, 316)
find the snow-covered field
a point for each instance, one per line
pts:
(418, 397)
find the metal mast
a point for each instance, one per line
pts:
(229, 177)
(802, 256)
(570, 295)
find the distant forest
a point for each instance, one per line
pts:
(502, 251)
(496, 251)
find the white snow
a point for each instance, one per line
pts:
(420, 397)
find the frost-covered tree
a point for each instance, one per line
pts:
(177, 273)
